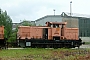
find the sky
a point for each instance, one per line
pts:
(32, 10)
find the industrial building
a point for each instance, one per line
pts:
(74, 21)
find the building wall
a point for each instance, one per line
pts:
(84, 27)
(71, 22)
(45, 19)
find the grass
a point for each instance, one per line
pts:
(43, 54)
(87, 43)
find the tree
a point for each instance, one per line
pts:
(6, 21)
(39, 25)
(26, 23)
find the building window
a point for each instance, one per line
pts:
(55, 25)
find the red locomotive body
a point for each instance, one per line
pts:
(1, 32)
(31, 32)
(54, 34)
(71, 33)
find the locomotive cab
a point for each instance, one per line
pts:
(57, 29)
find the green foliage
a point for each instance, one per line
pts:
(87, 43)
(39, 25)
(6, 21)
(33, 24)
(26, 23)
(12, 37)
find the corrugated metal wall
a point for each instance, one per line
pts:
(48, 19)
(84, 27)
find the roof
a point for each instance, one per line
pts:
(33, 26)
(48, 16)
(76, 15)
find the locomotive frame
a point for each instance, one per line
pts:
(41, 43)
(2, 43)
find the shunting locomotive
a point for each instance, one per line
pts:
(53, 35)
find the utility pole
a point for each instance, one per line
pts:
(70, 13)
(70, 8)
(54, 11)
